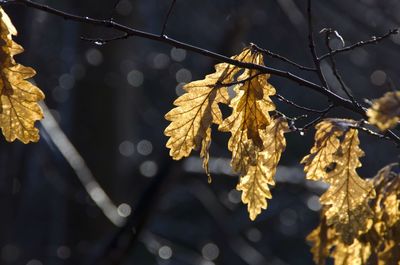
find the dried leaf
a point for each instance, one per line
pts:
(197, 109)
(355, 254)
(254, 184)
(321, 154)
(19, 98)
(348, 194)
(321, 240)
(249, 116)
(385, 111)
(204, 153)
(380, 244)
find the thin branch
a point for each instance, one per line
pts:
(311, 44)
(335, 70)
(359, 44)
(283, 99)
(102, 41)
(370, 132)
(108, 23)
(164, 39)
(282, 58)
(316, 120)
(171, 7)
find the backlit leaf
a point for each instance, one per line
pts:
(249, 116)
(348, 194)
(380, 242)
(19, 109)
(321, 155)
(385, 111)
(254, 184)
(197, 109)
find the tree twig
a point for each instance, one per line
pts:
(109, 23)
(335, 70)
(282, 58)
(164, 27)
(359, 44)
(283, 99)
(311, 44)
(103, 41)
(155, 37)
(319, 118)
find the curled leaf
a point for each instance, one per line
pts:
(385, 111)
(249, 116)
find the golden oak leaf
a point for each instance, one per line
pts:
(19, 109)
(389, 197)
(8, 47)
(385, 111)
(348, 194)
(355, 254)
(380, 244)
(197, 109)
(321, 239)
(249, 116)
(386, 228)
(321, 154)
(254, 184)
(195, 112)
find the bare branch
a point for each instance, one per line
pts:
(171, 7)
(311, 44)
(316, 120)
(360, 127)
(344, 87)
(359, 44)
(147, 35)
(283, 99)
(282, 58)
(101, 41)
(109, 23)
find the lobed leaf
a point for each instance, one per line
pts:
(254, 184)
(197, 109)
(379, 243)
(19, 109)
(385, 111)
(321, 154)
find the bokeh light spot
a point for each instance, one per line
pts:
(148, 168)
(94, 57)
(165, 252)
(210, 251)
(126, 148)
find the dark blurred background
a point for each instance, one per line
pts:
(62, 199)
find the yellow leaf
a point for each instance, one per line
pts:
(380, 244)
(249, 116)
(385, 111)
(197, 109)
(348, 194)
(204, 153)
(321, 240)
(19, 98)
(321, 155)
(355, 254)
(254, 184)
